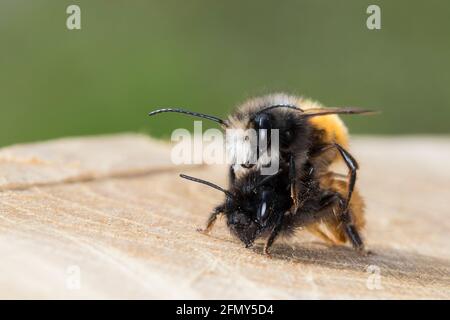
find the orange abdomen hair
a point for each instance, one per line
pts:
(333, 128)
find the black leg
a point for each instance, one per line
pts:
(273, 235)
(354, 236)
(212, 219)
(352, 166)
(307, 185)
(350, 229)
(345, 217)
(324, 208)
(313, 213)
(231, 176)
(292, 178)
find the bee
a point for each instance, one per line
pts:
(258, 206)
(253, 205)
(312, 138)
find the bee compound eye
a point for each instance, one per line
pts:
(262, 213)
(263, 122)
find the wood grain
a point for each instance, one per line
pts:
(114, 209)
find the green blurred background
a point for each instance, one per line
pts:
(131, 56)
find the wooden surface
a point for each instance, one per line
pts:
(108, 217)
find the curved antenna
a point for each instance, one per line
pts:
(191, 113)
(289, 106)
(209, 184)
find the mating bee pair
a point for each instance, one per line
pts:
(305, 192)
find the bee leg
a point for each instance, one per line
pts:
(212, 219)
(345, 217)
(292, 182)
(231, 176)
(355, 238)
(273, 235)
(350, 229)
(352, 166)
(322, 210)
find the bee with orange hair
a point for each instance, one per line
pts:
(312, 139)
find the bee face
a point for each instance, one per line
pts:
(243, 226)
(241, 216)
(253, 213)
(241, 145)
(249, 146)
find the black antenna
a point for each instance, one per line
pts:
(191, 113)
(289, 106)
(209, 184)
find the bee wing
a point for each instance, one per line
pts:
(313, 112)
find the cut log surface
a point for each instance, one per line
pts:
(108, 217)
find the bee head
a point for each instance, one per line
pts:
(242, 225)
(253, 145)
(257, 203)
(253, 204)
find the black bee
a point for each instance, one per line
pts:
(258, 206)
